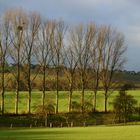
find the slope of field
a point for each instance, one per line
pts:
(63, 99)
(79, 133)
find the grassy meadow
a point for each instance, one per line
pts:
(76, 133)
(63, 99)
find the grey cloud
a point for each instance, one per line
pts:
(121, 14)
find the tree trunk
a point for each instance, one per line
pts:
(17, 86)
(29, 89)
(94, 101)
(70, 100)
(46, 121)
(71, 91)
(3, 89)
(29, 102)
(44, 85)
(82, 99)
(83, 93)
(106, 102)
(16, 102)
(43, 98)
(57, 91)
(2, 102)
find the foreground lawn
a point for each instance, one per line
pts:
(87, 133)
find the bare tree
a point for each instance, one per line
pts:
(43, 50)
(18, 19)
(83, 39)
(113, 49)
(57, 44)
(71, 61)
(4, 46)
(96, 53)
(30, 36)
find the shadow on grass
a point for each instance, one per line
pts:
(34, 134)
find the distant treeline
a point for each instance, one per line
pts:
(127, 78)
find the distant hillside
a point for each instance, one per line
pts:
(130, 77)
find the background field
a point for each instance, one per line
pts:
(79, 133)
(63, 99)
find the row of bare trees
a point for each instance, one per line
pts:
(26, 39)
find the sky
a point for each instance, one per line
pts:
(124, 15)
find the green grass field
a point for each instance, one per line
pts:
(130, 132)
(77, 133)
(63, 99)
